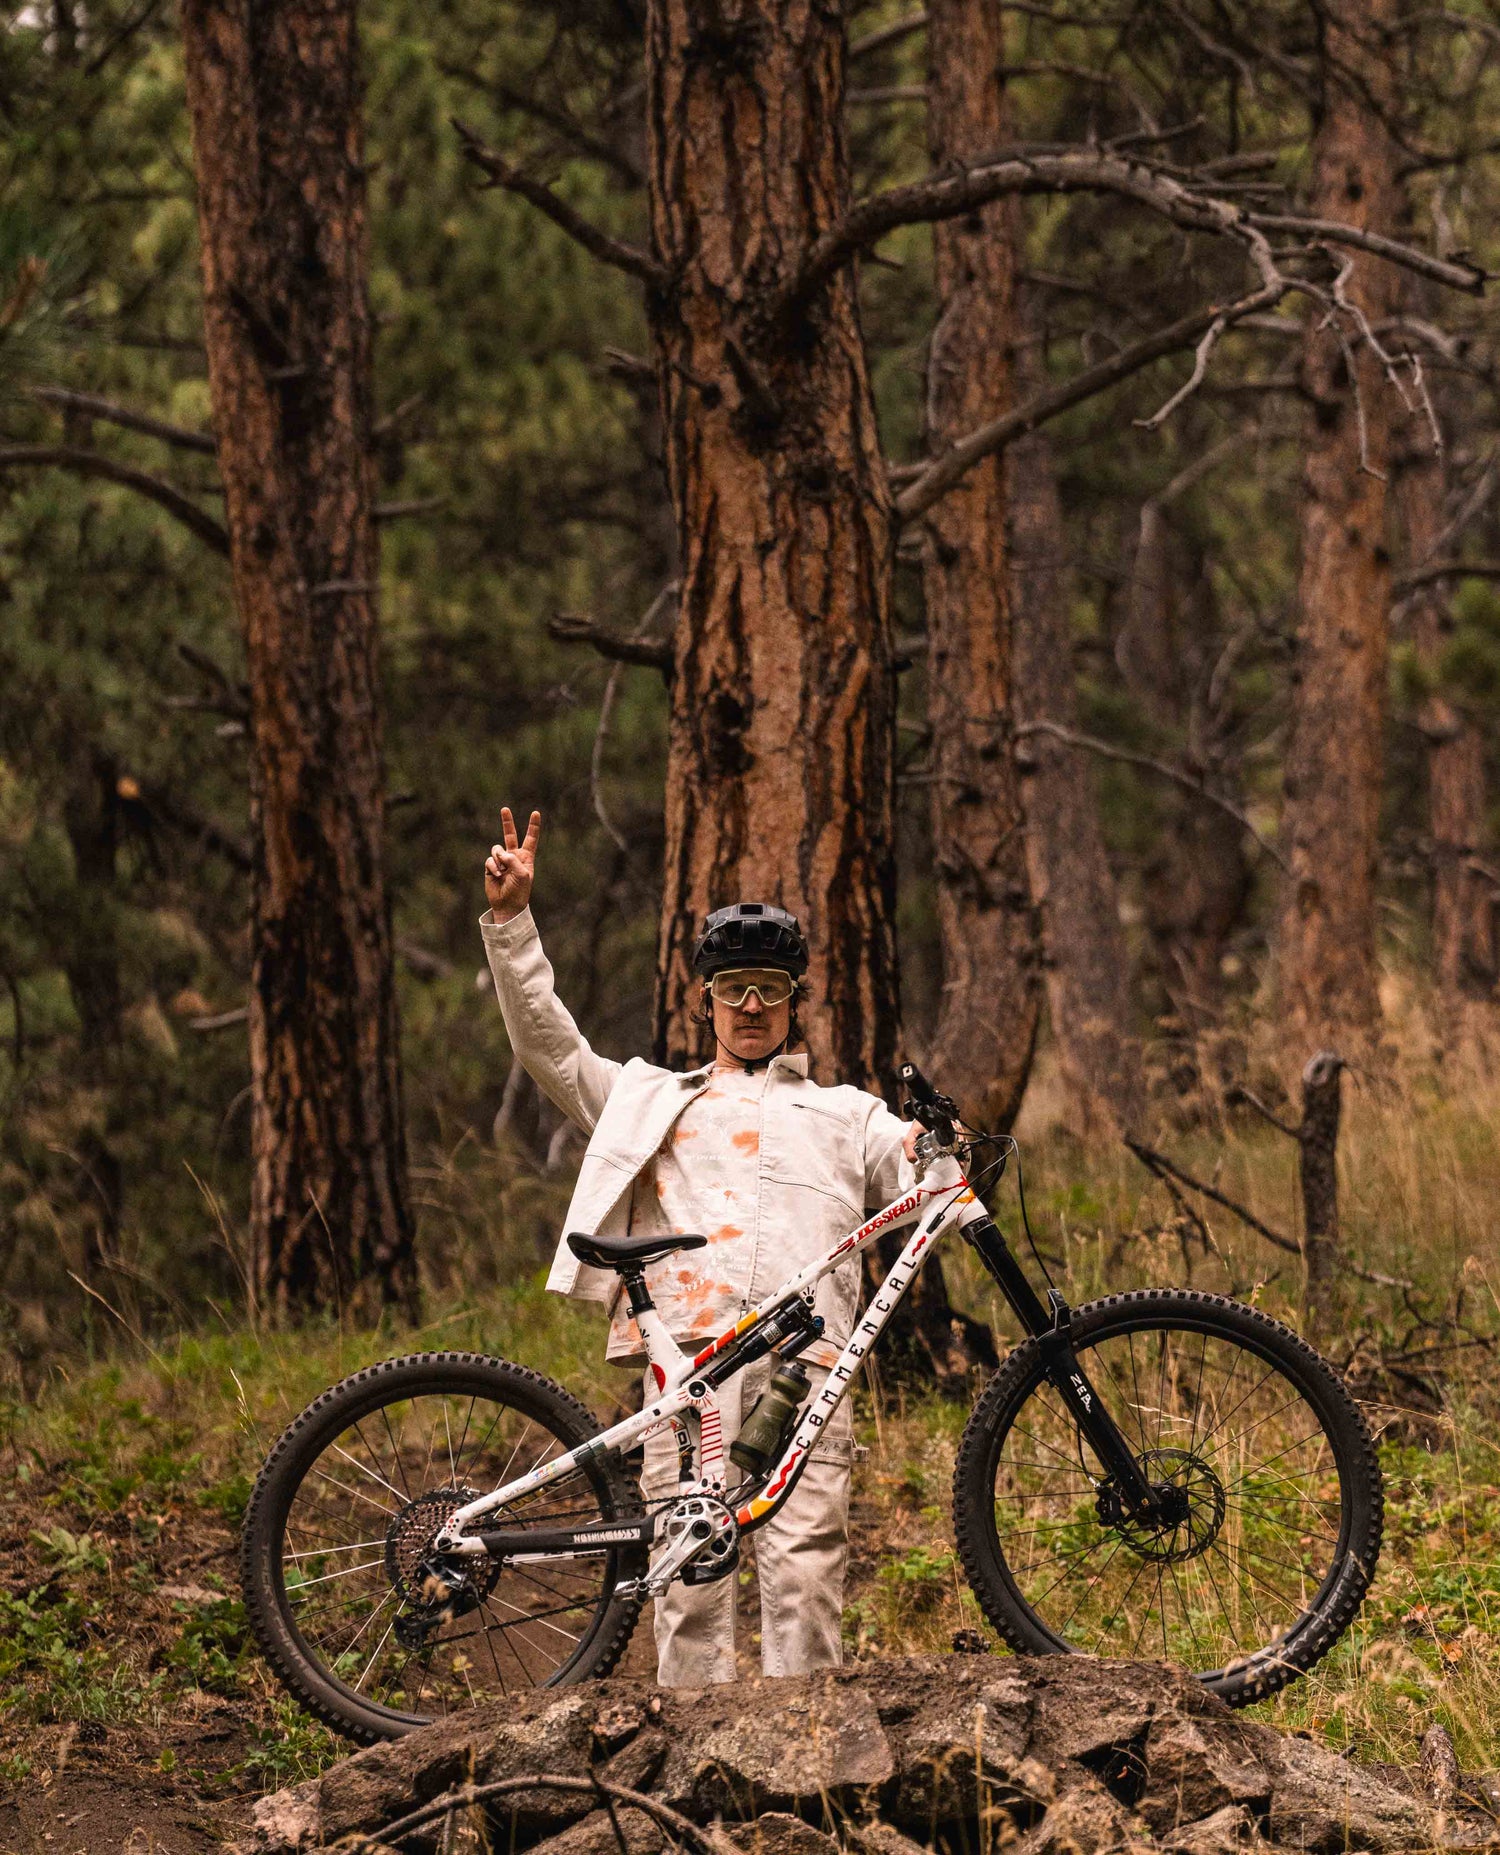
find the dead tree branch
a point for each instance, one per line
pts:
(574, 628)
(1177, 774)
(1463, 275)
(96, 408)
(1447, 570)
(640, 647)
(1050, 169)
(887, 35)
(938, 477)
(94, 464)
(597, 242)
(596, 760)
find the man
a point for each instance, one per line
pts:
(772, 1168)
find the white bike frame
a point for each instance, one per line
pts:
(683, 1388)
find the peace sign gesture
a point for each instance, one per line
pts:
(510, 867)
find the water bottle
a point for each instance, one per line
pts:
(768, 1429)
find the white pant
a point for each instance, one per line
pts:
(799, 1554)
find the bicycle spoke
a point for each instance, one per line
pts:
(1254, 1530)
(388, 1473)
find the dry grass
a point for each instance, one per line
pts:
(150, 1455)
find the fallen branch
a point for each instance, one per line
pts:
(707, 1841)
(597, 242)
(1153, 765)
(1241, 1093)
(1156, 1163)
(1185, 1210)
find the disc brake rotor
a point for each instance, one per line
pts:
(1192, 1498)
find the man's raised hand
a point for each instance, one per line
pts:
(510, 867)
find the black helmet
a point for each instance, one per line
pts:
(749, 934)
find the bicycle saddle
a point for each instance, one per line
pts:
(628, 1252)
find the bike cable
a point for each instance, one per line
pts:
(991, 1175)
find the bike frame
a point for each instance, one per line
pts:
(939, 1203)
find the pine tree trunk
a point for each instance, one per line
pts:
(1335, 755)
(981, 1048)
(1318, 1140)
(274, 93)
(780, 753)
(1197, 882)
(1465, 956)
(1086, 960)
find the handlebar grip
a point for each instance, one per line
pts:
(927, 1105)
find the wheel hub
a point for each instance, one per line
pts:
(434, 1588)
(1189, 1508)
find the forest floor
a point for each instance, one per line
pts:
(135, 1714)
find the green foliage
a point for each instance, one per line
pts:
(70, 1552)
(212, 1647)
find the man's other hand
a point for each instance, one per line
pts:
(510, 867)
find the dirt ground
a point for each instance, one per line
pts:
(135, 1716)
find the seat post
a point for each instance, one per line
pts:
(636, 1291)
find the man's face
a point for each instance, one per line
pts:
(748, 1027)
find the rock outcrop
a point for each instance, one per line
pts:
(968, 1754)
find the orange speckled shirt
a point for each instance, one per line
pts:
(705, 1179)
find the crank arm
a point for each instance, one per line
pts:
(665, 1567)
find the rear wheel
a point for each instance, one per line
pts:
(342, 1518)
(1272, 1514)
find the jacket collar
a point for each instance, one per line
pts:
(794, 1064)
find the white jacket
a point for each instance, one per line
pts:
(826, 1154)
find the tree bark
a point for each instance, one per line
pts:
(991, 1001)
(780, 749)
(274, 93)
(1465, 954)
(1335, 760)
(1317, 1141)
(1197, 882)
(1085, 958)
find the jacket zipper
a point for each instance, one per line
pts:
(760, 1180)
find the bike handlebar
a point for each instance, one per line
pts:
(936, 1112)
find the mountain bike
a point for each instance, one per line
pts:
(1162, 1472)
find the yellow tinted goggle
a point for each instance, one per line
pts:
(733, 988)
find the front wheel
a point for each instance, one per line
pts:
(334, 1556)
(1273, 1528)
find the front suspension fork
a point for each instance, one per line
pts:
(1051, 1326)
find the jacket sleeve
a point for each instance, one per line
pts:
(549, 1045)
(888, 1172)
